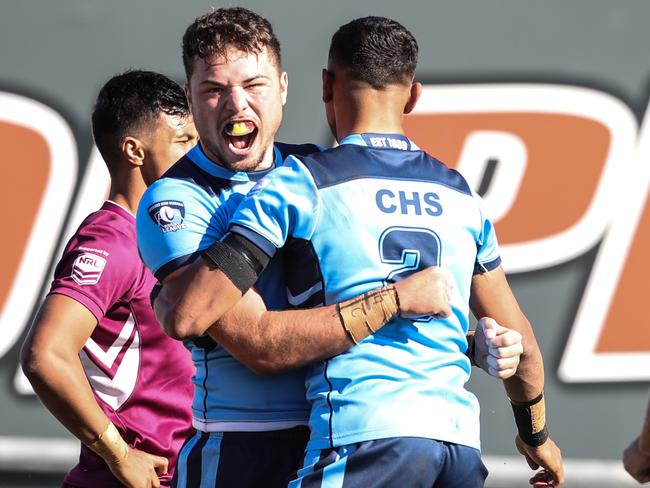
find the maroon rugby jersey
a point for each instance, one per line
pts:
(140, 377)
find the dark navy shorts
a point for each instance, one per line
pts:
(241, 459)
(402, 462)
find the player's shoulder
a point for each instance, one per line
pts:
(184, 184)
(323, 168)
(183, 176)
(193, 174)
(441, 173)
(168, 189)
(289, 168)
(107, 234)
(111, 223)
(350, 161)
(306, 149)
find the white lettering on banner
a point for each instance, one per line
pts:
(510, 151)
(616, 196)
(89, 198)
(475, 100)
(582, 361)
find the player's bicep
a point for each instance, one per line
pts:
(96, 269)
(175, 222)
(62, 325)
(491, 296)
(488, 254)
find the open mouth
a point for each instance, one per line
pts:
(241, 134)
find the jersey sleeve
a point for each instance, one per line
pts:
(94, 269)
(488, 256)
(176, 220)
(283, 205)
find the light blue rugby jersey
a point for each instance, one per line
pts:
(351, 219)
(180, 215)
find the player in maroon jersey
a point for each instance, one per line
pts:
(95, 355)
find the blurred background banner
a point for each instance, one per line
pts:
(541, 105)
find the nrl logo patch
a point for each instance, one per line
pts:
(87, 268)
(168, 215)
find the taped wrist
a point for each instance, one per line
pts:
(530, 418)
(238, 258)
(110, 446)
(366, 314)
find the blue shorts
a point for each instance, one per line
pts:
(241, 459)
(397, 462)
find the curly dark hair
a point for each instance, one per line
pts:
(130, 102)
(213, 33)
(375, 50)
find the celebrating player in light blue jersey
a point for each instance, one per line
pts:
(251, 430)
(392, 410)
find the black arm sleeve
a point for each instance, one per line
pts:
(238, 258)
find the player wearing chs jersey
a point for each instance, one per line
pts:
(250, 430)
(236, 90)
(96, 356)
(392, 410)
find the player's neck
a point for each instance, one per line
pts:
(369, 126)
(361, 111)
(127, 192)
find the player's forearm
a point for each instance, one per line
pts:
(271, 342)
(192, 299)
(278, 341)
(61, 385)
(492, 297)
(528, 382)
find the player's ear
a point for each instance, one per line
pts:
(284, 84)
(133, 150)
(188, 95)
(416, 91)
(328, 78)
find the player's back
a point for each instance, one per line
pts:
(140, 377)
(364, 214)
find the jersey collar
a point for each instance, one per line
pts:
(381, 141)
(198, 157)
(115, 207)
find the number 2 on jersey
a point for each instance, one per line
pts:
(410, 249)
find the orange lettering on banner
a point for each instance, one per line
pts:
(625, 328)
(566, 156)
(25, 171)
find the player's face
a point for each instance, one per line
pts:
(237, 102)
(169, 138)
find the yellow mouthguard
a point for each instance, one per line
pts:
(239, 129)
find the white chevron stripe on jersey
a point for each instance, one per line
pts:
(115, 391)
(107, 358)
